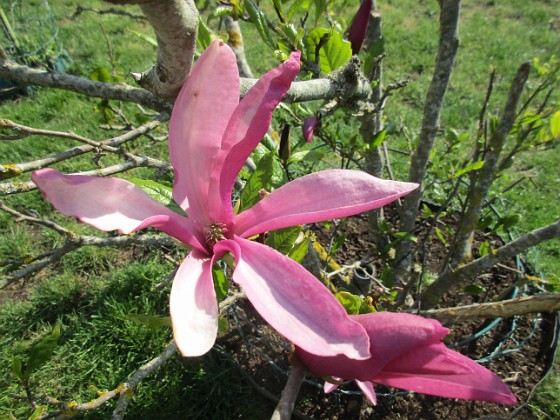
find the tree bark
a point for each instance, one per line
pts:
(445, 60)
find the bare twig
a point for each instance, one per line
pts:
(285, 407)
(110, 145)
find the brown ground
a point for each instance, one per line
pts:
(519, 349)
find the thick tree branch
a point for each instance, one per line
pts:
(445, 60)
(119, 91)
(175, 23)
(235, 41)
(460, 275)
(545, 302)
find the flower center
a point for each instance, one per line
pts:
(215, 233)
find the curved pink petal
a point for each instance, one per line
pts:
(319, 196)
(369, 392)
(436, 370)
(111, 204)
(328, 387)
(308, 127)
(198, 122)
(294, 302)
(248, 125)
(193, 306)
(358, 28)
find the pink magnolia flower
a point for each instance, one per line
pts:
(309, 125)
(211, 135)
(358, 28)
(407, 352)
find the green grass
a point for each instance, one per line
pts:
(91, 291)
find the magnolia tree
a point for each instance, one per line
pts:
(257, 223)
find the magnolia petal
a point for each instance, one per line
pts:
(200, 116)
(294, 302)
(193, 306)
(328, 387)
(308, 128)
(369, 392)
(358, 28)
(111, 204)
(445, 373)
(319, 196)
(248, 125)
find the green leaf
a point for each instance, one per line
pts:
(147, 39)
(475, 166)
(484, 248)
(474, 289)
(223, 325)
(260, 179)
(100, 74)
(334, 51)
(555, 124)
(378, 139)
(509, 221)
(338, 242)
(17, 367)
(220, 12)
(160, 193)
(204, 36)
(38, 412)
(221, 283)
(306, 156)
(440, 236)
(150, 321)
(283, 240)
(298, 5)
(9, 416)
(299, 250)
(278, 8)
(351, 303)
(320, 10)
(42, 351)
(259, 20)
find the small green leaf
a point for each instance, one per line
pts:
(259, 20)
(474, 289)
(299, 250)
(555, 124)
(42, 351)
(204, 35)
(223, 325)
(38, 412)
(221, 283)
(351, 303)
(509, 221)
(440, 236)
(260, 179)
(283, 240)
(338, 242)
(100, 74)
(161, 193)
(17, 367)
(475, 166)
(378, 139)
(298, 5)
(147, 39)
(334, 52)
(306, 156)
(150, 321)
(484, 248)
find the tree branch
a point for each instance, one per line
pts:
(11, 170)
(445, 60)
(458, 276)
(285, 407)
(544, 302)
(119, 91)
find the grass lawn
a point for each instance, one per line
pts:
(91, 291)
